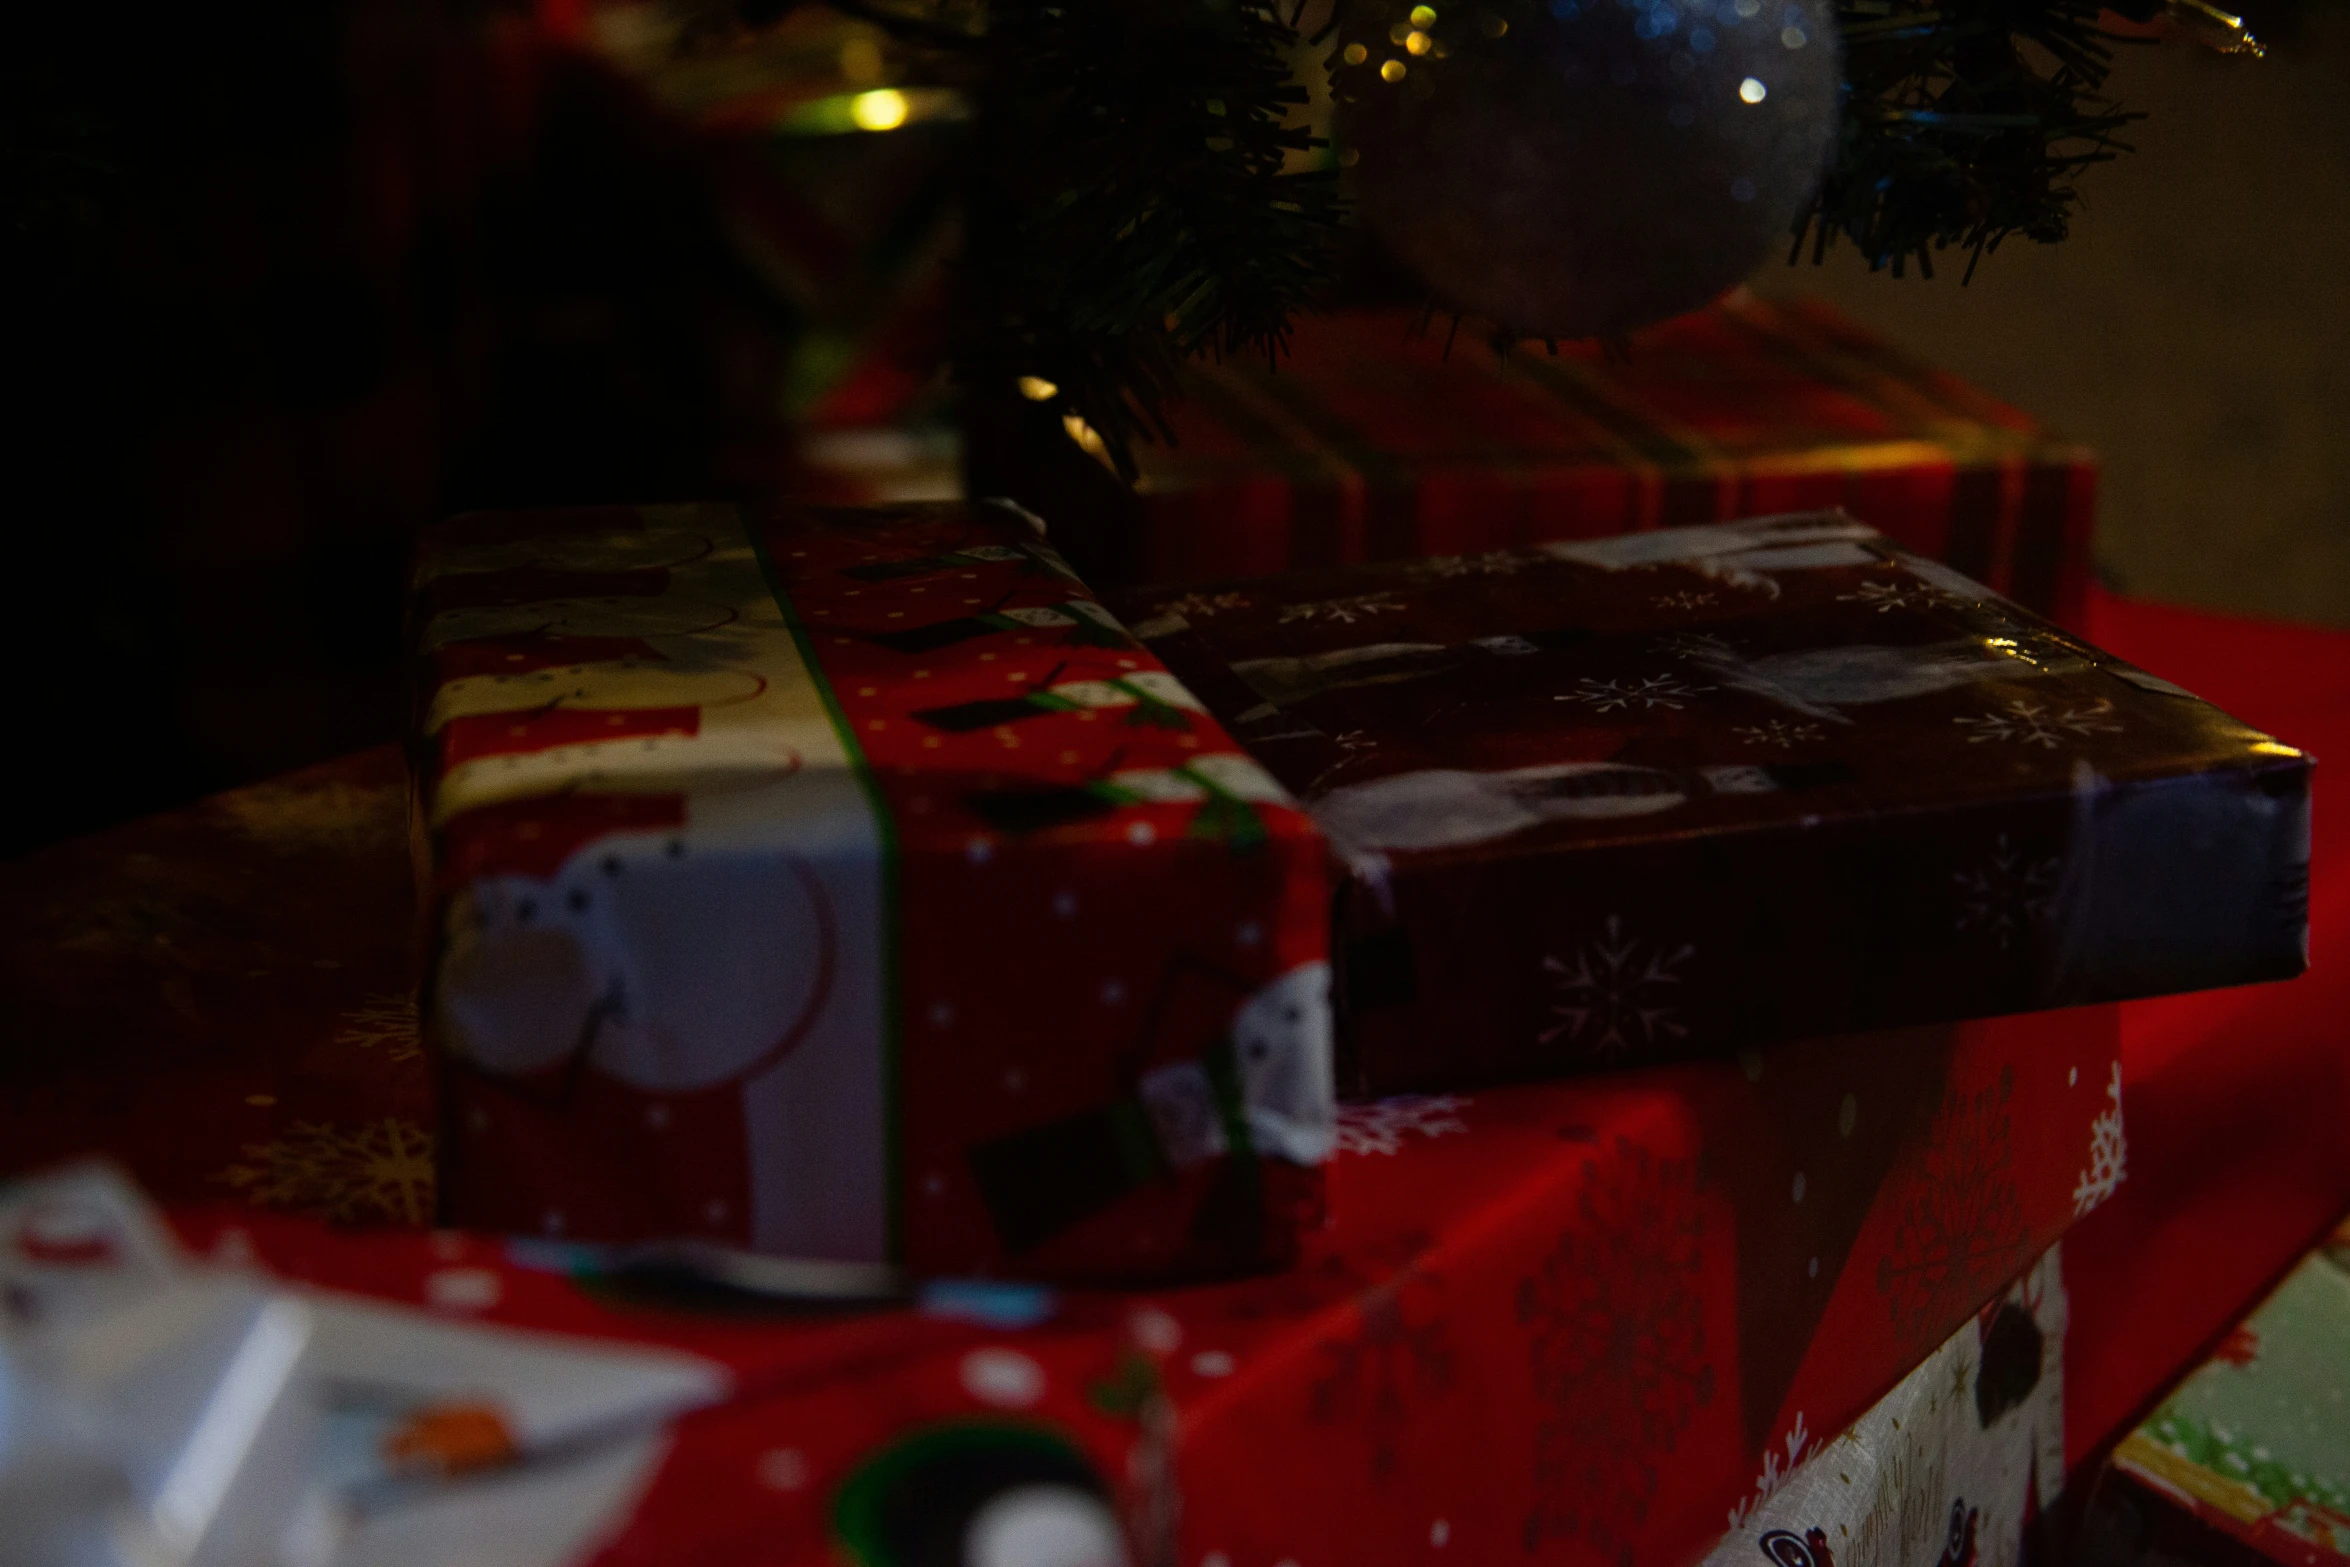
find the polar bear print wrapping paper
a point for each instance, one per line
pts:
(850, 885)
(1696, 790)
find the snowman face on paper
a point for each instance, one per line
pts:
(1281, 1040)
(1444, 808)
(667, 968)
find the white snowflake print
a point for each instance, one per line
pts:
(2035, 723)
(1699, 645)
(2109, 1152)
(1685, 599)
(1773, 1476)
(1203, 605)
(1776, 732)
(1886, 597)
(1342, 612)
(1644, 691)
(1384, 1125)
(1492, 563)
(1615, 993)
(2007, 894)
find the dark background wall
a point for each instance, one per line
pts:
(2195, 329)
(278, 282)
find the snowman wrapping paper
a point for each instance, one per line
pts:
(854, 890)
(1699, 789)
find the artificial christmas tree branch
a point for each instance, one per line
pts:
(1136, 197)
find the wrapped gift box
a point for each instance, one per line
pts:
(1568, 1321)
(2255, 1444)
(861, 892)
(1380, 439)
(1695, 789)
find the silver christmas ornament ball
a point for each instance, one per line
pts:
(1579, 168)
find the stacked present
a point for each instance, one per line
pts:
(852, 885)
(1556, 1047)
(1382, 438)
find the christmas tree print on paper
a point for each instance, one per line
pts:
(1616, 1339)
(380, 1172)
(1960, 1233)
(1618, 990)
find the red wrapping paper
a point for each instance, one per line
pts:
(1377, 441)
(1558, 1321)
(867, 895)
(2237, 1098)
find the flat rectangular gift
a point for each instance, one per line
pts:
(1697, 789)
(1380, 437)
(1575, 1321)
(2254, 1445)
(853, 886)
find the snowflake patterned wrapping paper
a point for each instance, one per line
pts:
(2255, 1445)
(863, 892)
(1377, 440)
(1950, 1469)
(1553, 1322)
(1698, 789)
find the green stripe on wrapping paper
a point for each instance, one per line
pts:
(885, 833)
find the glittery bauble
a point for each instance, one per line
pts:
(1583, 167)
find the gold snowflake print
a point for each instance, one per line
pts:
(383, 1019)
(383, 1170)
(1203, 604)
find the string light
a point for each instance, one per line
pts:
(883, 109)
(1416, 43)
(1423, 17)
(1037, 389)
(1356, 54)
(1752, 90)
(1392, 71)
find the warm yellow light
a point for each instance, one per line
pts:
(1392, 71)
(1423, 16)
(1399, 32)
(1037, 389)
(1752, 90)
(1087, 439)
(1416, 43)
(2273, 748)
(1356, 54)
(883, 109)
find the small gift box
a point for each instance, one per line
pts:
(1696, 789)
(854, 887)
(1380, 437)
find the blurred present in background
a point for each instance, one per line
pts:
(285, 283)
